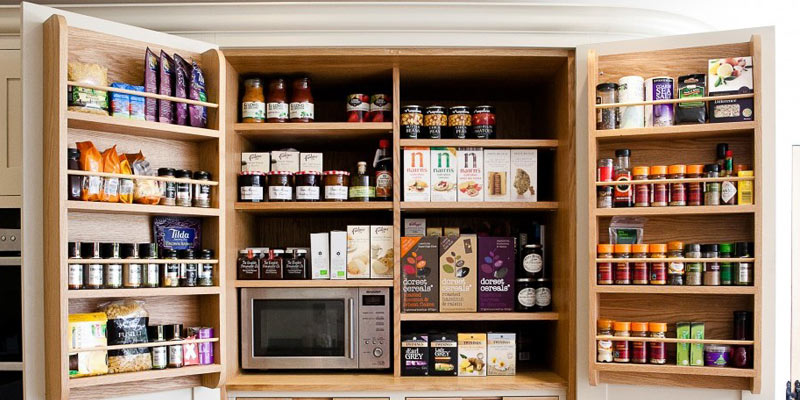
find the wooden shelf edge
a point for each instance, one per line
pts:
(314, 283)
(126, 377)
(317, 127)
(123, 208)
(676, 340)
(675, 369)
(677, 131)
(143, 94)
(487, 143)
(143, 292)
(318, 206)
(685, 210)
(479, 205)
(107, 123)
(480, 316)
(680, 290)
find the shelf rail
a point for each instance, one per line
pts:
(143, 94)
(676, 101)
(676, 340)
(681, 180)
(143, 177)
(143, 345)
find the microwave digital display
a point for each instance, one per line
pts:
(373, 300)
(299, 328)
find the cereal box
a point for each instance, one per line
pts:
(420, 274)
(458, 291)
(338, 256)
(444, 354)
(523, 175)
(358, 252)
(470, 174)
(728, 76)
(496, 274)
(381, 245)
(501, 351)
(416, 174)
(443, 174)
(414, 350)
(471, 354)
(496, 165)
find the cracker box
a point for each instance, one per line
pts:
(286, 161)
(682, 331)
(381, 245)
(496, 274)
(728, 76)
(471, 354)
(338, 256)
(444, 176)
(698, 331)
(420, 274)
(416, 174)
(470, 174)
(458, 283)
(523, 175)
(501, 352)
(320, 256)
(311, 162)
(414, 226)
(433, 231)
(357, 251)
(414, 350)
(252, 162)
(444, 354)
(496, 166)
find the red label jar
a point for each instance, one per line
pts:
(641, 274)
(621, 347)
(694, 189)
(641, 191)
(677, 189)
(659, 192)
(622, 269)
(483, 122)
(605, 275)
(658, 269)
(639, 349)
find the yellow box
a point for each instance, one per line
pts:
(745, 189)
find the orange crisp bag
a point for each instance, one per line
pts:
(91, 160)
(110, 192)
(125, 185)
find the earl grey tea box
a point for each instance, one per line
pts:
(458, 282)
(444, 354)
(420, 274)
(414, 353)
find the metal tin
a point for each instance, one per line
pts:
(658, 88)
(131, 272)
(75, 275)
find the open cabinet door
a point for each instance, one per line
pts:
(753, 143)
(52, 39)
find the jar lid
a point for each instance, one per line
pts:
(173, 331)
(725, 247)
(166, 171)
(716, 348)
(299, 251)
(155, 333)
(280, 173)
(711, 168)
(202, 175)
(244, 173)
(335, 172)
(277, 251)
(484, 109)
(637, 171)
(692, 247)
(129, 250)
(109, 250)
(74, 249)
(622, 152)
(675, 245)
(658, 247)
(73, 153)
(604, 323)
(459, 109)
(711, 247)
(187, 254)
(149, 250)
(206, 254)
(435, 108)
(744, 249)
(524, 280)
(542, 280)
(658, 169)
(251, 81)
(640, 248)
(411, 108)
(169, 253)
(605, 248)
(677, 169)
(622, 326)
(694, 169)
(657, 326)
(308, 173)
(622, 248)
(533, 246)
(607, 86)
(639, 326)
(183, 173)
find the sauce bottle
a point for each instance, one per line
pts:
(277, 108)
(253, 101)
(301, 109)
(383, 171)
(623, 194)
(360, 187)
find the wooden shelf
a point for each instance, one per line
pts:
(694, 131)
(143, 292)
(679, 290)
(319, 132)
(123, 208)
(113, 379)
(311, 207)
(436, 207)
(106, 123)
(673, 211)
(481, 316)
(676, 369)
(314, 283)
(486, 143)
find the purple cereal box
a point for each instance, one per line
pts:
(495, 274)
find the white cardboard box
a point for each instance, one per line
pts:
(496, 165)
(358, 252)
(523, 175)
(338, 255)
(414, 227)
(470, 174)
(381, 244)
(286, 161)
(320, 256)
(252, 162)
(444, 178)
(311, 162)
(416, 174)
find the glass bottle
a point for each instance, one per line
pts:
(150, 277)
(641, 272)
(639, 349)
(658, 269)
(605, 348)
(272, 265)
(711, 190)
(131, 272)
(711, 273)
(658, 353)
(677, 190)
(694, 269)
(743, 274)
(694, 195)
(360, 187)
(728, 188)
(605, 173)
(725, 268)
(605, 274)
(112, 271)
(622, 269)
(202, 193)
(623, 194)
(295, 267)
(253, 107)
(158, 354)
(167, 188)
(75, 275)
(171, 270)
(188, 270)
(676, 267)
(277, 107)
(621, 347)
(74, 181)
(641, 192)
(742, 330)
(175, 358)
(301, 108)
(383, 171)
(722, 150)
(183, 190)
(205, 272)
(659, 192)
(94, 273)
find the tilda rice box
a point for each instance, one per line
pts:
(416, 174)
(470, 174)
(471, 354)
(358, 251)
(381, 243)
(523, 175)
(501, 352)
(458, 291)
(496, 274)
(444, 177)
(496, 165)
(420, 274)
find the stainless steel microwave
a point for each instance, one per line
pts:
(315, 328)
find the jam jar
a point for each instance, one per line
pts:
(295, 264)
(306, 185)
(251, 186)
(336, 185)
(280, 185)
(526, 295)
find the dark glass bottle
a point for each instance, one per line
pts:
(73, 181)
(742, 330)
(623, 194)
(383, 172)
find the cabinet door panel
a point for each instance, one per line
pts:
(10, 123)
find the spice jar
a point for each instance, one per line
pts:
(253, 107)
(150, 276)
(526, 295)
(93, 272)
(543, 292)
(131, 272)
(158, 354)
(743, 274)
(336, 185)
(657, 350)
(641, 272)
(621, 347)
(112, 271)
(605, 275)
(676, 268)
(694, 189)
(205, 274)
(175, 357)
(280, 185)
(380, 108)
(301, 108)
(641, 191)
(605, 173)
(277, 107)
(716, 355)
(357, 107)
(435, 121)
(623, 194)
(73, 181)
(607, 118)
(247, 266)
(188, 271)
(659, 191)
(459, 122)
(167, 188)
(725, 267)
(272, 264)
(170, 271)
(638, 349)
(306, 185)
(532, 261)
(605, 348)
(251, 186)
(75, 272)
(711, 273)
(694, 269)
(183, 190)
(202, 193)
(483, 122)
(712, 189)
(677, 189)
(658, 269)
(410, 122)
(622, 269)
(296, 265)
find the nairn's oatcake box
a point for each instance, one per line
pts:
(471, 354)
(444, 176)
(458, 282)
(419, 260)
(414, 353)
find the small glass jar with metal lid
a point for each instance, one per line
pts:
(170, 271)
(435, 121)
(307, 185)
(132, 271)
(459, 122)
(694, 270)
(336, 185)
(93, 272)
(188, 270)
(532, 261)
(251, 186)
(112, 271)
(607, 118)
(205, 273)
(167, 188)
(183, 190)
(280, 185)
(174, 334)
(543, 293)
(158, 354)
(711, 269)
(75, 275)
(150, 275)
(202, 193)
(525, 295)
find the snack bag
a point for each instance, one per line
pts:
(110, 192)
(125, 185)
(91, 160)
(127, 324)
(145, 191)
(183, 78)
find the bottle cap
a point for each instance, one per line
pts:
(658, 248)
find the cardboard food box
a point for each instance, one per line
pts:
(682, 331)
(471, 354)
(458, 283)
(420, 274)
(320, 256)
(728, 76)
(416, 174)
(381, 251)
(414, 350)
(358, 251)
(444, 177)
(444, 354)
(496, 166)
(470, 174)
(286, 161)
(496, 274)
(85, 331)
(452, 231)
(338, 257)
(414, 227)
(311, 162)
(523, 173)
(698, 331)
(501, 351)
(433, 231)
(252, 162)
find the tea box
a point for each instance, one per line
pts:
(496, 165)
(286, 161)
(471, 354)
(338, 255)
(682, 331)
(414, 226)
(252, 162)
(698, 331)
(501, 351)
(311, 162)
(381, 260)
(414, 350)
(523, 173)
(470, 174)
(443, 174)
(496, 274)
(458, 281)
(416, 174)
(420, 274)
(433, 231)
(727, 76)
(444, 354)
(452, 231)
(320, 256)
(358, 251)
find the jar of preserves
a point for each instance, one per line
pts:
(532, 261)
(170, 272)
(75, 275)
(167, 188)
(543, 291)
(607, 118)
(694, 190)
(280, 185)
(295, 265)
(622, 269)
(357, 107)
(247, 266)
(306, 185)
(658, 269)
(113, 270)
(605, 275)
(459, 122)
(272, 264)
(183, 190)
(94, 275)
(380, 108)
(677, 190)
(483, 122)
(605, 348)
(676, 268)
(711, 273)
(150, 276)
(131, 272)
(205, 270)
(694, 269)
(659, 192)
(525, 295)
(410, 121)
(253, 106)
(362, 187)
(336, 185)
(641, 272)
(277, 107)
(658, 353)
(621, 345)
(638, 349)
(641, 191)
(188, 271)
(251, 186)
(202, 193)
(725, 267)
(301, 108)
(712, 190)
(605, 173)
(435, 122)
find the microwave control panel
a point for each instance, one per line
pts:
(374, 325)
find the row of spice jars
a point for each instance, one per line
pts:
(184, 194)
(457, 122)
(305, 186)
(136, 271)
(665, 267)
(277, 106)
(623, 351)
(272, 264)
(183, 354)
(366, 108)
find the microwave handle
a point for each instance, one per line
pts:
(352, 329)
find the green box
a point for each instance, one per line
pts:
(682, 331)
(698, 332)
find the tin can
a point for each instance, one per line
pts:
(410, 121)
(206, 349)
(631, 90)
(659, 88)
